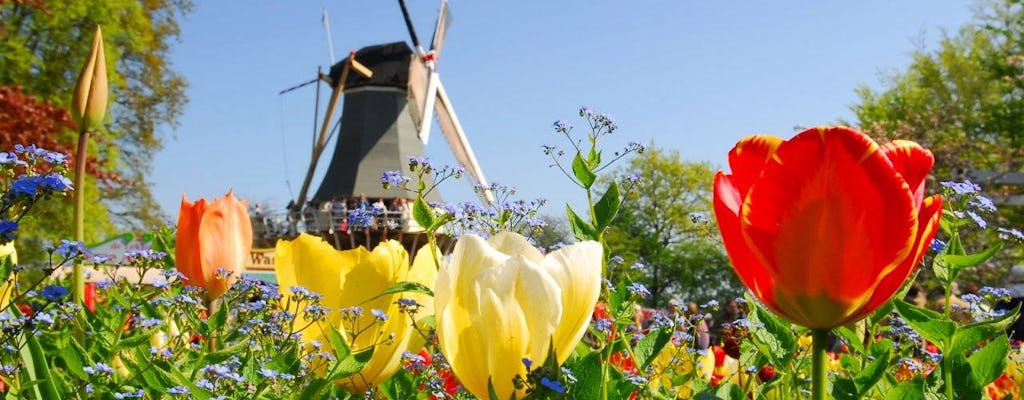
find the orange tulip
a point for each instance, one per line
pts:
(212, 237)
(825, 227)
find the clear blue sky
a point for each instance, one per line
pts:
(688, 75)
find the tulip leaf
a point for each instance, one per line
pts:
(607, 207)
(967, 337)
(422, 213)
(38, 371)
(402, 287)
(580, 228)
(648, 348)
(583, 172)
(313, 389)
(989, 362)
(930, 324)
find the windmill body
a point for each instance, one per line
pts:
(378, 130)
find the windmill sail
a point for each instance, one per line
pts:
(441, 28)
(452, 130)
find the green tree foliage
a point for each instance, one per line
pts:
(555, 231)
(965, 102)
(664, 227)
(44, 45)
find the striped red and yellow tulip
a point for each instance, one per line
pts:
(825, 227)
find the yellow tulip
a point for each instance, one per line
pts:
(7, 287)
(89, 103)
(350, 278)
(500, 301)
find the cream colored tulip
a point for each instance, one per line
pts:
(499, 301)
(351, 278)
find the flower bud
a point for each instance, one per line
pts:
(89, 103)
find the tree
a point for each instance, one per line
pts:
(26, 120)
(965, 102)
(44, 46)
(664, 235)
(554, 232)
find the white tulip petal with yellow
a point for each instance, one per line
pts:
(350, 278)
(501, 300)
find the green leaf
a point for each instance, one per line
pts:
(776, 341)
(647, 349)
(441, 221)
(587, 371)
(583, 172)
(607, 207)
(580, 228)
(402, 287)
(313, 389)
(399, 387)
(352, 364)
(851, 338)
(907, 390)
(964, 382)
(969, 336)
(930, 324)
(35, 364)
(844, 389)
(729, 391)
(871, 374)
(219, 317)
(989, 363)
(422, 213)
(6, 266)
(338, 342)
(958, 261)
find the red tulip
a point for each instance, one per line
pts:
(90, 297)
(213, 243)
(825, 227)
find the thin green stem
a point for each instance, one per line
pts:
(947, 375)
(78, 275)
(819, 385)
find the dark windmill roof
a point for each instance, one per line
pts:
(389, 62)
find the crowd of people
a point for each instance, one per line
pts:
(343, 214)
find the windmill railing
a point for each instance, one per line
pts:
(267, 228)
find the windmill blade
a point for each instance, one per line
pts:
(440, 28)
(452, 130)
(430, 97)
(412, 30)
(418, 76)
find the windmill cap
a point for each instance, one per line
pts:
(389, 63)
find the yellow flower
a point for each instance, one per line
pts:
(351, 278)
(675, 362)
(500, 301)
(89, 103)
(7, 253)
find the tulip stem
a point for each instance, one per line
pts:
(820, 380)
(78, 276)
(211, 309)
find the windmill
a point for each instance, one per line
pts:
(386, 117)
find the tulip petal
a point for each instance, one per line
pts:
(751, 271)
(928, 217)
(457, 298)
(913, 162)
(748, 158)
(225, 235)
(514, 243)
(311, 263)
(576, 269)
(187, 245)
(828, 183)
